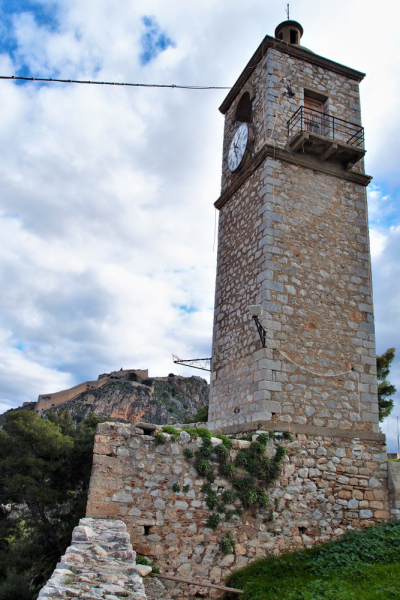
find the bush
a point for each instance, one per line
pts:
(188, 453)
(212, 500)
(227, 544)
(200, 417)
(159, 439)
(16, 587)
(202, 466)
(228, 496)
(174, 433)
(198, 432)
(148, 382)
(213, 521)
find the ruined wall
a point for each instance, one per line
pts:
(99, 563)
(326, 486)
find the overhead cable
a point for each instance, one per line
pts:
(149, 85)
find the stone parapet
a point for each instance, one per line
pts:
(394, 489)
(99, 564)
(327, 485)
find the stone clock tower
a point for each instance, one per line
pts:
(293, 239)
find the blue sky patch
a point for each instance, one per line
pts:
(153, 41)
(44, 15)
(188, 309)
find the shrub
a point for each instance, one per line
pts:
(174, 433)
(202, 466)
(225, 440)
(227, 544)
(206, 488)
(176, 488)
(228, 496)
(198, 432)
(188, 453)
(16, 587)
(212, 500)
(227, 469)
(159, 439)
(213, 521)
(222, 452)
(200, 417)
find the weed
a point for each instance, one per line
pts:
(226, 545)
(159, 439)
(188, 453)
(228, 496)
(213, 521)
(174, 433)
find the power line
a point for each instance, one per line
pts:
(149, 85)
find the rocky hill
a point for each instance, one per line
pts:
(161, 400)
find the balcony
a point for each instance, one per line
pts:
(325, 137)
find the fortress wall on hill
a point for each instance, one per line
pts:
(327, 485)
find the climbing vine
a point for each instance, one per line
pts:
(249, 490)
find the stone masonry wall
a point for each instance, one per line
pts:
(272, 109)
(327, 485)
(296, 242)
(98, 565)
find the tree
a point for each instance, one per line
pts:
(45, 467)
(385, 388)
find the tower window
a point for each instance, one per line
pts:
(294, 36)
(244, 109)
(281, 36)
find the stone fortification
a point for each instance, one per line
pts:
(327, 485)
(162, 400)
(99, 564)
(46, 401)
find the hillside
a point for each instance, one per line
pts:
(162, 400)
(362, 565)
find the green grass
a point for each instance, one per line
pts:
(363, 565)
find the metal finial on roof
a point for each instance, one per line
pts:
(287, 11)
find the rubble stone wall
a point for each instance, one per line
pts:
(327, 485)
(99, 564)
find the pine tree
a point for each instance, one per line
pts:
(385, 388)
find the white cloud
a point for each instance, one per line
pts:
(106, 210)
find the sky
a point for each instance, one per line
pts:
(107, 220)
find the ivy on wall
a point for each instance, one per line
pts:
(249, 490)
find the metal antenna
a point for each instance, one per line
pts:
(287, 11)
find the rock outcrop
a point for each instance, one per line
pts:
(161, 400)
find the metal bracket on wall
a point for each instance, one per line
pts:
(196, 363)
(261, 331)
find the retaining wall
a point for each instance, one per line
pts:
(327, 485)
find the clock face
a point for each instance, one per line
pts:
(238, 147)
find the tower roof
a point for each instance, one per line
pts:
(292, 49)
(289, 32)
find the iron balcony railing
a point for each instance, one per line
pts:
(313, 121)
